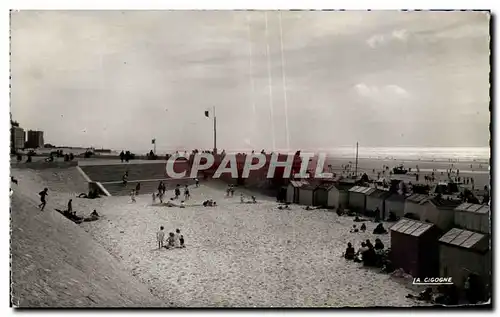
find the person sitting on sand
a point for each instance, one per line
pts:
(242, 198)
(354, 229)
(254, 200)
(378, 244)
(93, 216)
(369, 256)
(379, 229)
(363, 227)
(170, 203)
(182, 205)
(361, 251)
(349, 252)
(425, 295)
(205, 203)
(392, 217)
(170, 241)
(368, 243)
(13, 180)
(356, 219)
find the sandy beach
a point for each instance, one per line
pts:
(243, 255)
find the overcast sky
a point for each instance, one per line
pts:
(120, 78)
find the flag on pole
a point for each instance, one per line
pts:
(206, 114)
(153, 141)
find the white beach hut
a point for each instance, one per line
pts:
(440, 212)
(357, 198)
(376, 199)
(292, 191)
(415, 205)
(338, 196)
(306, 194)
(473, 217)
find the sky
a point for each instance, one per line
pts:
(117, 79)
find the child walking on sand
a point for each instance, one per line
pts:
(153, 196)
(132, 196)
(177, 191)
(177, 238)
(160, 237)
(186, 193)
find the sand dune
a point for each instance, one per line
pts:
(57, 264)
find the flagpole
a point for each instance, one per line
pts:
(215, 132)
(154, 148)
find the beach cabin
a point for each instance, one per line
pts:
(357, 198)
(292, 191)
(473, 217)
(415, 247)
(321, 193)
(395, 203)
(463, 252)
(306, 194)
(339, 195)
(440, 212)
(415, 205)
(376, 199)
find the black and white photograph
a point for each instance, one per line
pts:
(250, 158)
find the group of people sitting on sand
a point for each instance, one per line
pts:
(209, 203)
(370, 254)
(71, 214)
(174, 240)
(286, 206)
(379, 229)
(93, 194)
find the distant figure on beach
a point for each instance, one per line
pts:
(187, 195)
(349, 252)
(182, 205)
(160, 237)
(70, 206)
(181, 239)
(354, 229)
(132, 196)
(177, 238)
(368, 243)
(170, 203)
(137, 188)
(177, 191)
(153, 197)
(363, 227)
(122, 156)
(242, 198)
(197, 182)
(161, 188)
(125, 178)
(43, 201)
(254, 200)
(13, 180)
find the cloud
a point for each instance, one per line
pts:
(380, 92)
(380, 39)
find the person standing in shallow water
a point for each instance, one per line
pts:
(43, 201)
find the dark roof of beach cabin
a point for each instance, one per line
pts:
(445, 203)
(362, 190)
(378, 193)
(396, 197)
(465, 239)
(411, 227)
(473, 208)
(418, 198)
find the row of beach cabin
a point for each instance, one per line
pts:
(435, 237)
